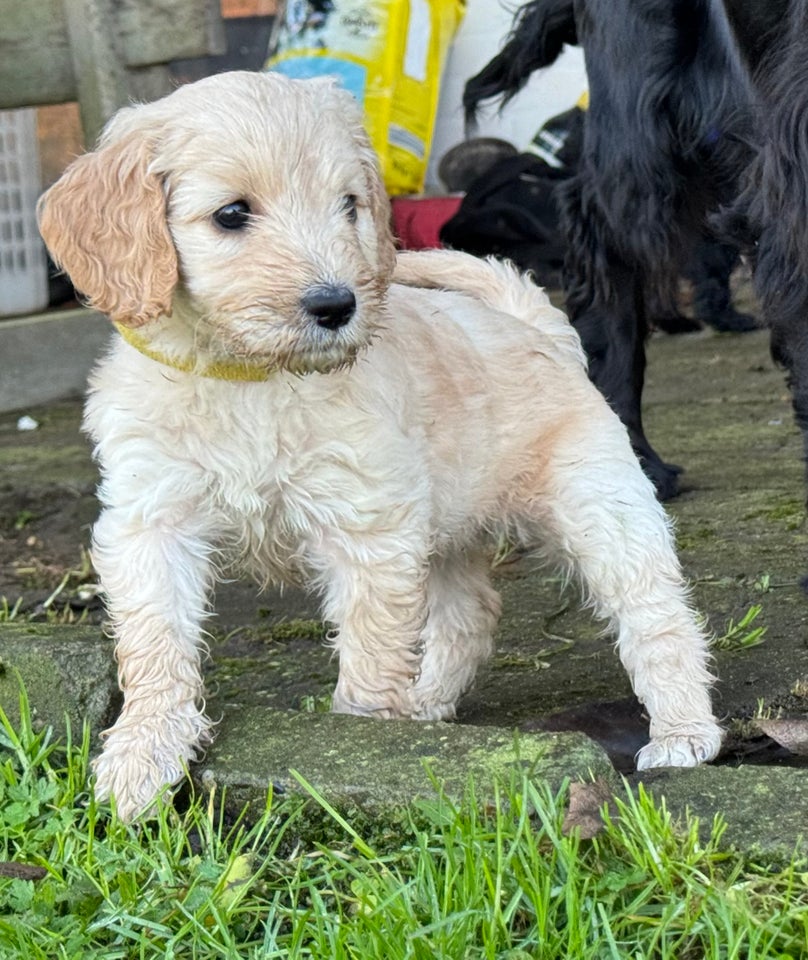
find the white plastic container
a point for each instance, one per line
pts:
(23, 267)
(481, 36)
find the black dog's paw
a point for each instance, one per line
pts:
(732, 321)
(675, 323)
(664, 476)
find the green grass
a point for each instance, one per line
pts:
(742, 635)
(464, 881)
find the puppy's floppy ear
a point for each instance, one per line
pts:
(104, 223)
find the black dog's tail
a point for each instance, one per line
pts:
(541, 29)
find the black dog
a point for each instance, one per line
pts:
(696, 106)
(510, 210)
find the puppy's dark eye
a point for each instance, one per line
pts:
(349, 207)
(233, 216)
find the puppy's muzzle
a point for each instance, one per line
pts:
(331, 305)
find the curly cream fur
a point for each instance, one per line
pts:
(374, 460)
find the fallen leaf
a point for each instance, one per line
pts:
(791, 734)
(21, 871)
(238, 874)
(586, 802)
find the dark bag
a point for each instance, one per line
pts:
(510, 211)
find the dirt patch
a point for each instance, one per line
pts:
(47, 502)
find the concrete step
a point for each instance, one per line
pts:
(47, 356)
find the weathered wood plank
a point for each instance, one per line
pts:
(35, 62)
(99, 75)
(110, 39)
(156, 31)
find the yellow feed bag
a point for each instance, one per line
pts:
(390, 55)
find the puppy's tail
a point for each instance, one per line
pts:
(497, 284)
(539, 33)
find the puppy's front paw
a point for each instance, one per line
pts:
(434, 710)
(134, 781)
(140, 763)
(393, 703)
(681, 749)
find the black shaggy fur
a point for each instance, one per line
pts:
(697, 107)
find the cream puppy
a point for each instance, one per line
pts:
(288, 396)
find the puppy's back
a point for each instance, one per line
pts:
(499, 286)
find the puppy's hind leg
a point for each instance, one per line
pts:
(598, 510)
(375, 593)
(458, 636)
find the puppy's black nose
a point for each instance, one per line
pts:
(331, 306)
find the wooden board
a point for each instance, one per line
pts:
(37, 65)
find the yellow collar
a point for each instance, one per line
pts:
(218, 369)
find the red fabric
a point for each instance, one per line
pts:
(417, 220)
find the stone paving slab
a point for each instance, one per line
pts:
(378, 766)
(67, 671)
(765, 808)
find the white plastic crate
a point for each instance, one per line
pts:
(23, 269)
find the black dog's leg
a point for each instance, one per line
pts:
(789, 347)
(613, 331)
(710, 269)
(606, 296)
(776, 200)
(669, 319)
